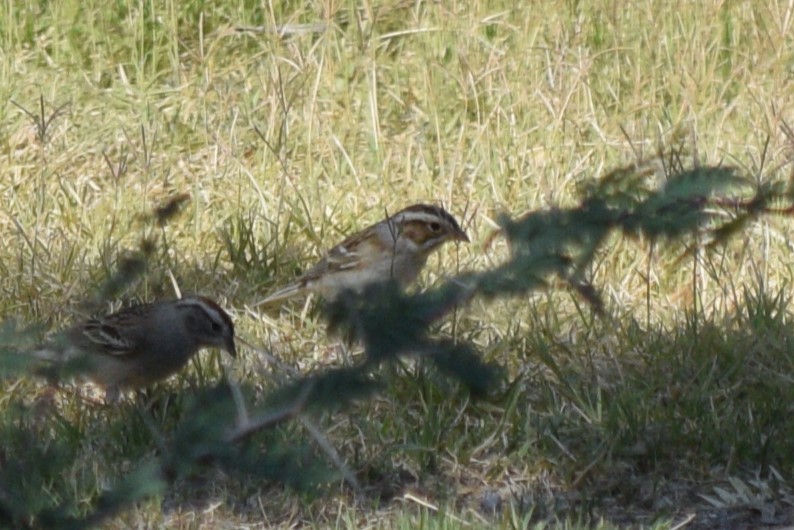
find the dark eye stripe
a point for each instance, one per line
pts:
(419, 232)
(432, 211)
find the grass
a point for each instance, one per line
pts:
(674, 403)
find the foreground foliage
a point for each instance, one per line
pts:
(230, 428)
(612, 350)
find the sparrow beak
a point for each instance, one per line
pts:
(461, 236)
(230, 347)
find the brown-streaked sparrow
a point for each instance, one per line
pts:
(397, 247)
(142, 344)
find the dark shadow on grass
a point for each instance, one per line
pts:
(672, 406)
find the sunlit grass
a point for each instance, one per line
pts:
(317, 120)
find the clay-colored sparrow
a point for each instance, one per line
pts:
(140, 345)
(397, 247)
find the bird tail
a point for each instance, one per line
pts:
(282, 294)
(47, 360)
(55, 363)
(47, 355)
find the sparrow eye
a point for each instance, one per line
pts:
(435, 227)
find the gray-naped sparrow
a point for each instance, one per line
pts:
(397, 247)
(140, 345)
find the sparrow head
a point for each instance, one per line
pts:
(427, 226)
(209, 324)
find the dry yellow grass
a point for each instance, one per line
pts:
(317, 118)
